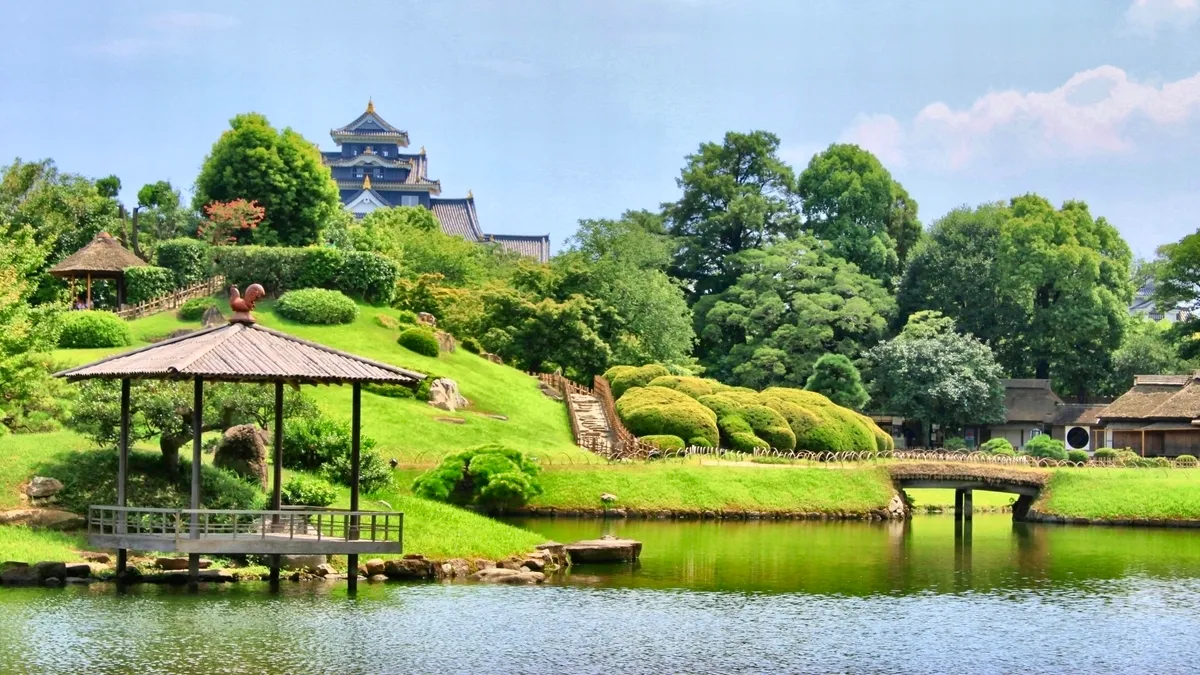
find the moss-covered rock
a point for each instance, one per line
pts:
(651, 411)
(692, 386)
(746, 424)
(628, 377)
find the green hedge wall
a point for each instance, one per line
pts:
(656, 411)
(147, 283)
(317, 306)
(190, 260)
(366, 276)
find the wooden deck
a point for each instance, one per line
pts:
(225, 532)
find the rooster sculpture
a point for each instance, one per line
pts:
(243, 305)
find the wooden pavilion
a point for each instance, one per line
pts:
(103, 258)
(243, 351)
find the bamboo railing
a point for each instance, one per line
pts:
(173, 299)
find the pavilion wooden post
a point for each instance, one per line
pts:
(194, 525)
(89, 291)
(355, 434)
(123, 471)
(277, 471)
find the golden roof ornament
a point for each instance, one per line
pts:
(366, 182)
(369, 150)
(370, 106)
(470, 195)
(422, 150)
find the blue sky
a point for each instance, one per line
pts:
(555, 111)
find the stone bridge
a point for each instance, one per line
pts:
(966, 477)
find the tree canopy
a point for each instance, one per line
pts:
(281, 170)
(835, 376)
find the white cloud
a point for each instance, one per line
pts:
(1092, 113)
(1148, 16)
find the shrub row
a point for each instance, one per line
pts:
(90, 329)
(190, 260)
(316, 306)
(147, 283)
(366, 276)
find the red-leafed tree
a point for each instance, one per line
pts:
(224, 221)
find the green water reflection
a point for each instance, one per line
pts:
(927, 554)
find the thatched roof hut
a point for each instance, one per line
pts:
(103, 258)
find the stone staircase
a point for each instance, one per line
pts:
(591, 425)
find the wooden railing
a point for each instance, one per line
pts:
(176, 524)
(173, 299)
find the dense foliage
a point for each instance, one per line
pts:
(837, 379)
(316, 306)
(305, 491)
(316, 443)
(419, 340)
(1046, 447)
(188, 259)
(194, 309)
(147, 283)
(652, 411)
(90, 329)
(367, 276)
(490, 476)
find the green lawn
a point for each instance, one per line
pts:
(22, 544)
(1123, 494)
(406, 428)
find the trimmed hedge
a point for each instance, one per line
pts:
(692, 386)
(305, 491)
(491, 476)
(316, 306)
(190, 260)
(998, 446)
(652, 411)
(90, 329)
(663, 441)
(419, 340)
(1077, 456)
(147, 283)
(194, 309)
(822, 426)
(367, 276)
(748, 425)
(1045, 446)
(625, 377)
(1107, 454)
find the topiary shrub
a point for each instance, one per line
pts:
(663, 441)
(147, 283)
(419, 340)
(385, 321)
(822, 426)
(1185, 460)
(692, 386)
(471, 345)
(748, 425)
(955, 443)
(1046, 447)
(998, 446)
(1105, 454)
(190, 260)
(1077, 456)
(305, 491)
(491, 476)
(634, 377)
(318, 443)
(407, 316)
(316, 306)
(650, 411)
(89, 329)
(194, 309)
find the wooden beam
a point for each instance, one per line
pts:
(197, 432)
(123, 468)
(89, 291)
(355, 459)
(277, 470)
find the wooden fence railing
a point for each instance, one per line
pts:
(624, 443)
(173, 299)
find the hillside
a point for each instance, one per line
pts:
(407, 429)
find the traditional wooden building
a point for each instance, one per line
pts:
(1158, 417)
(103, 258)
(373, 170)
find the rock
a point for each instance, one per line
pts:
(455, 568)
(534, 564)
(212, 317)
(12, 564)
(302, 562)
(608, 498)
(325, 570)
(41, 486)
(374, 566)
(95, 557)
(502, 418)
(377, 578)
(426, 318)
(52, 581)
(45, 570)
(79, 570)
(50, 519)
(80, 581)
(450, 420)
(20, 576)
(606, 550)
(500, 575)
(408, 568)
(243, 451)
(445, 341)
(166, 563)
(443, 394)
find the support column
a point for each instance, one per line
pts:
(277, 471)
(355, 434)
(959, 497)
(123, 472)
(968, 504)
(89, 291)
(197, 428)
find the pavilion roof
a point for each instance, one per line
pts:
(103, 255)
(243, 352)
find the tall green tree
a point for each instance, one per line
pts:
(955, 270)
(934, 374)
(280, 170)
(737, 196)
(541, 335)
(411, 236)
(1177, 286)
(794, 303)
(1070, 273)
(837, 379)
(1146, 349)
(159, 216)
(850, 200)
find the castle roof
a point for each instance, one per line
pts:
(457, 216)
(536, 246)
(368, 127)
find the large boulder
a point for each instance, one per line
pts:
(443, 393)
(49, 519)
(41, 487)
(445, 341)
(604, 550)
(212, 318)
(302, 561)
(650, 411)
(243, 451)
(414, 567)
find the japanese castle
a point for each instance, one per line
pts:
(373, 171)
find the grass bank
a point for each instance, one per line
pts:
(1123, 494)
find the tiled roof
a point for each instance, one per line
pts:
(336, 159)
(371, 125)
(457, 216)
(239, 352)
(434, 187)
(1029, 400)
(102, 255)
(536, 246)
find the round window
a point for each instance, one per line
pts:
(1077, 438)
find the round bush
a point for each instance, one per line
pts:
(663, 441)
(317, 443)
(748, 425)
(820, 425)
(1105, 454)
(1046, 447)
(305, 491)
(650, 411)
(90, 329)
(316, 306)
(194, 309)
(419, 340)
(998, 446)
(491, 476)
(407, 316)
(954, 443)
(1077, 456)
(471, 345)
(634, 377)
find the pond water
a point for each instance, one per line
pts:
(923, 597)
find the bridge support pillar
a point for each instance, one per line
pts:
(963, 504)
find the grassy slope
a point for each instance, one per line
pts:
(407, 428)
(1123, 494)
(22, 544)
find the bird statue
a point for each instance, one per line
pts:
(243, 305)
